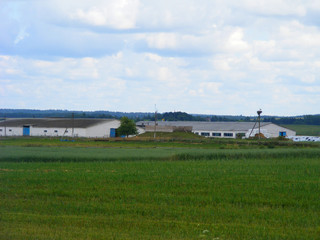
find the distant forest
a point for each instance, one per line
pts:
(148, 116)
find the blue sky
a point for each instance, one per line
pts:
(198, 56)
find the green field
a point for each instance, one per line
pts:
(167, 141)
(305, 130)
(104, 192)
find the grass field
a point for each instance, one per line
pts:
(51, 192)
(305, 130)
(168, 141)
(69, 154)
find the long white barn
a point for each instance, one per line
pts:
(219, 129)
(56, 127)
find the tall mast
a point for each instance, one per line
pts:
(259, 113)
(155, 121)
(72, 124)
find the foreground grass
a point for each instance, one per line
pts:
(244, 198)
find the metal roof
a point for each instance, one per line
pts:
(53, 122)
(207, 126)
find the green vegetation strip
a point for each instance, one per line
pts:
(167, 140)
(249, 198)
(305, 130)
(77, 154)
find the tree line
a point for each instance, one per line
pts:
(148, 116)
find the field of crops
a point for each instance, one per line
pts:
(159, 193)
(305, 130)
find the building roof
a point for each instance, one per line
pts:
(53, 122)
(207, 126)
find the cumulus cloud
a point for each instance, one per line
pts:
(221, 57)
(121, 14)
(236, 42)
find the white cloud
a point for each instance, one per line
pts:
(162, 40)
(198, 56)
(211, 88)
(197, 44)
(312, 89)
(172, 78)
(308, 79)
(22, 35)
(153, 57)
(295, 35)
(221, 64)
(274, 7)
(94, 16)
(172, 14)
(120, 14)
(235, 42)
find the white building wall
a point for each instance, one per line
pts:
(77, 132)
(50, 132)
(57, 132)
(254, 132)
(11, 131)
(99, 130)
(271, 131)
(102, 130)
(234, 133)
(140, 130)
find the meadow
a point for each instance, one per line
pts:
(104, 192)
(305, 130)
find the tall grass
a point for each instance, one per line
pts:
(247, 198)
(153, 192)
(72, 154)
(250, 154)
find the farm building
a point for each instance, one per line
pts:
(54, 127)
(219, 129)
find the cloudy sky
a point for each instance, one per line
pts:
(198, 56)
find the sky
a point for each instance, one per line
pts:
(219, 57)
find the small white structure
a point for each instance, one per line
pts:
(62, 127)
(304, 138)
(220, 129)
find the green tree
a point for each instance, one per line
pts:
(127, 127)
